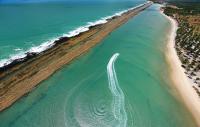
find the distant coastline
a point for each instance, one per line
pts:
(179, 78)
(22, 75)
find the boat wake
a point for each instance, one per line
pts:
(118, 104)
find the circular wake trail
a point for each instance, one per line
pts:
(118, 104)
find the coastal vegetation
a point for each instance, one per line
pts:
(187, 42)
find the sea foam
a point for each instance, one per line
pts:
(48, 44)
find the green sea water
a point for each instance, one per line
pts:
(123, 81)
(23, 26)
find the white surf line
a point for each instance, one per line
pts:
(48, 44)
(118, 104)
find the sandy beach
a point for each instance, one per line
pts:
(22, 76)
(181, 82)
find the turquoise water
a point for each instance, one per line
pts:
(123, 81)
(27, 25)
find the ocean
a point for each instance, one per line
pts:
(121, 82)
(34, 27)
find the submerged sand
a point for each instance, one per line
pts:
(22, 77)
(179, 78)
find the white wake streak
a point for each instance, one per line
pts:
(118, 104)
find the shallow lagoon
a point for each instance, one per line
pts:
(79, 94)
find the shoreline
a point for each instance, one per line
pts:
(24, 74)
(18, 58)
(179, 79)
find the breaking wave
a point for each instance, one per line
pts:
(46, 45)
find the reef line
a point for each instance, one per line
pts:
(22, 75)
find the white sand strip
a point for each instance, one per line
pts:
(179, 78)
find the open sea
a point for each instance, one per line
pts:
(121, 82)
